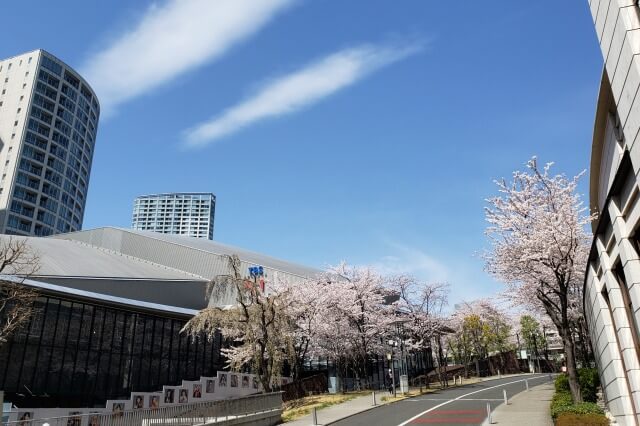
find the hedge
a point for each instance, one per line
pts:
(589, 382)
(562, 405)
(562, 383)
(572, 419)
(560, 402)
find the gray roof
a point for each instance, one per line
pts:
(69, 258)
(197, 256)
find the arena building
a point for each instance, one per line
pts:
(111, 306)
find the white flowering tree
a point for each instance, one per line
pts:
(306, 304)
(421, 304)
(540, 248)
(356, 317)
(259, 325)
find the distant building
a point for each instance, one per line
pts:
(48, 123)
(185, 213)
(612, 283)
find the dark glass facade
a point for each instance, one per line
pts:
(81, 353)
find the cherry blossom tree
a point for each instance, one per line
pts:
(420, 304)
(259, 325)
(306, 304)
(540, 248)
(361, 313)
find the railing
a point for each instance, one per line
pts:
(180, 415)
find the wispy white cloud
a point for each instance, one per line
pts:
(300, 89)
(413, 261)
(170, 39)
(465, 275)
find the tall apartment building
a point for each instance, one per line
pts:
(190, 214)
(48, 125)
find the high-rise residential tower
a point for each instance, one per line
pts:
(186, 213)
(48, 124)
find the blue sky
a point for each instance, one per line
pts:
(363, 130)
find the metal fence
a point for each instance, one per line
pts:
(180, 415)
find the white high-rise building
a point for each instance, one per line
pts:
(185, 213)
(48, 125)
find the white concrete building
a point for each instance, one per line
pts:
(48, 124)
(612, 283)
(186, 213)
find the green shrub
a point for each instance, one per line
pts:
(580, 408)
(562, 383)
(573, 419)
(589, 382)
(560, 402)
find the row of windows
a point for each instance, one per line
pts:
(81, 354)
(57, 164)
(173, 201)
(19, 224)
(51, 65)
(19, 63)
(51, 177)
(49, 79)
(67, 99)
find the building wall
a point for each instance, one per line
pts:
(190, 214)
(612, 285)
(79, 353)
(48, 124)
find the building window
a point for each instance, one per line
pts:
(605, 296)
(618, 272)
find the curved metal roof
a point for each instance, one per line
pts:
(198, 256)
(69, 258)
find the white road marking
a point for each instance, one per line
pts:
(467, 394)
(445, 399)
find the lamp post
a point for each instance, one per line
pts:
(392, 344)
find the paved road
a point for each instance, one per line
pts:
(465, 405)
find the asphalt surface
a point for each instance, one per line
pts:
(465, 405)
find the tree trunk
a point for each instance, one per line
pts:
(572, 371)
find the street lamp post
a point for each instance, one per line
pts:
(392, 344)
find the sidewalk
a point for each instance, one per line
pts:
(337, 412)
(531, 408)
(340, 411)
